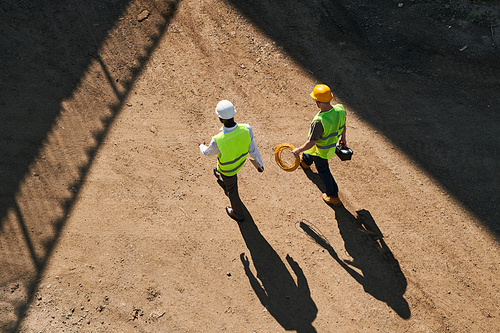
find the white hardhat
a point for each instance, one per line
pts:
(225, 110)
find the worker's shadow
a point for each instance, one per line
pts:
(315, 178)
(381, 275)
(288, 302)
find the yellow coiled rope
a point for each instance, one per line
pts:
(279, 160)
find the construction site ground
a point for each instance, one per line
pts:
(111, 219)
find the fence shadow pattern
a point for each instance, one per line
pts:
(56, 113)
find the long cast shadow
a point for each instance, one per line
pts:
(46, 49)
(288, 302)
(65, 78)
(438, 105)
(381, 274)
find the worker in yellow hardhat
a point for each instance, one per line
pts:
(231, 146)
(327, 129)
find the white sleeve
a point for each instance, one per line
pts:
(211, 150)
(253, 150)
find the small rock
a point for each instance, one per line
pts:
(157, 314)
(143, 15)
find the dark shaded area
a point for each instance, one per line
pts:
(381, 274)
(440, 105)
(288, 302)
(33, 85)
(316, 179)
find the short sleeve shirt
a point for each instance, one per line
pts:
(316, 130)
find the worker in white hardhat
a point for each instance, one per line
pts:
(231, 146)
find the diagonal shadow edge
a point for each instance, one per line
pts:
(40, 250)
(326, 39)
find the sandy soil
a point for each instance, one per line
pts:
(111, 219)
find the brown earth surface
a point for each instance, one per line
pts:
(111, 219)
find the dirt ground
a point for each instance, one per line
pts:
(111, 219)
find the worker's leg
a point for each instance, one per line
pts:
(220, 181)
(306, 161)
(331, 188)
(231, 184)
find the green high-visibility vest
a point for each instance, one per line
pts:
(333, 122)
(233, 147)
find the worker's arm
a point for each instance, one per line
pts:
(343, 140)
(314, 134)
(307, 145)
(211, 150)
(253, 150)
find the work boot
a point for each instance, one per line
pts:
(232, 214)
(334, 201)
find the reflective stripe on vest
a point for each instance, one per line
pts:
(233, 147)
(333, 122)
(324, 138)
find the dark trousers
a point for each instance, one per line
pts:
(331, 188)
(231, 184)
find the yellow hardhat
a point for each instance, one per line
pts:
(322, 93)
